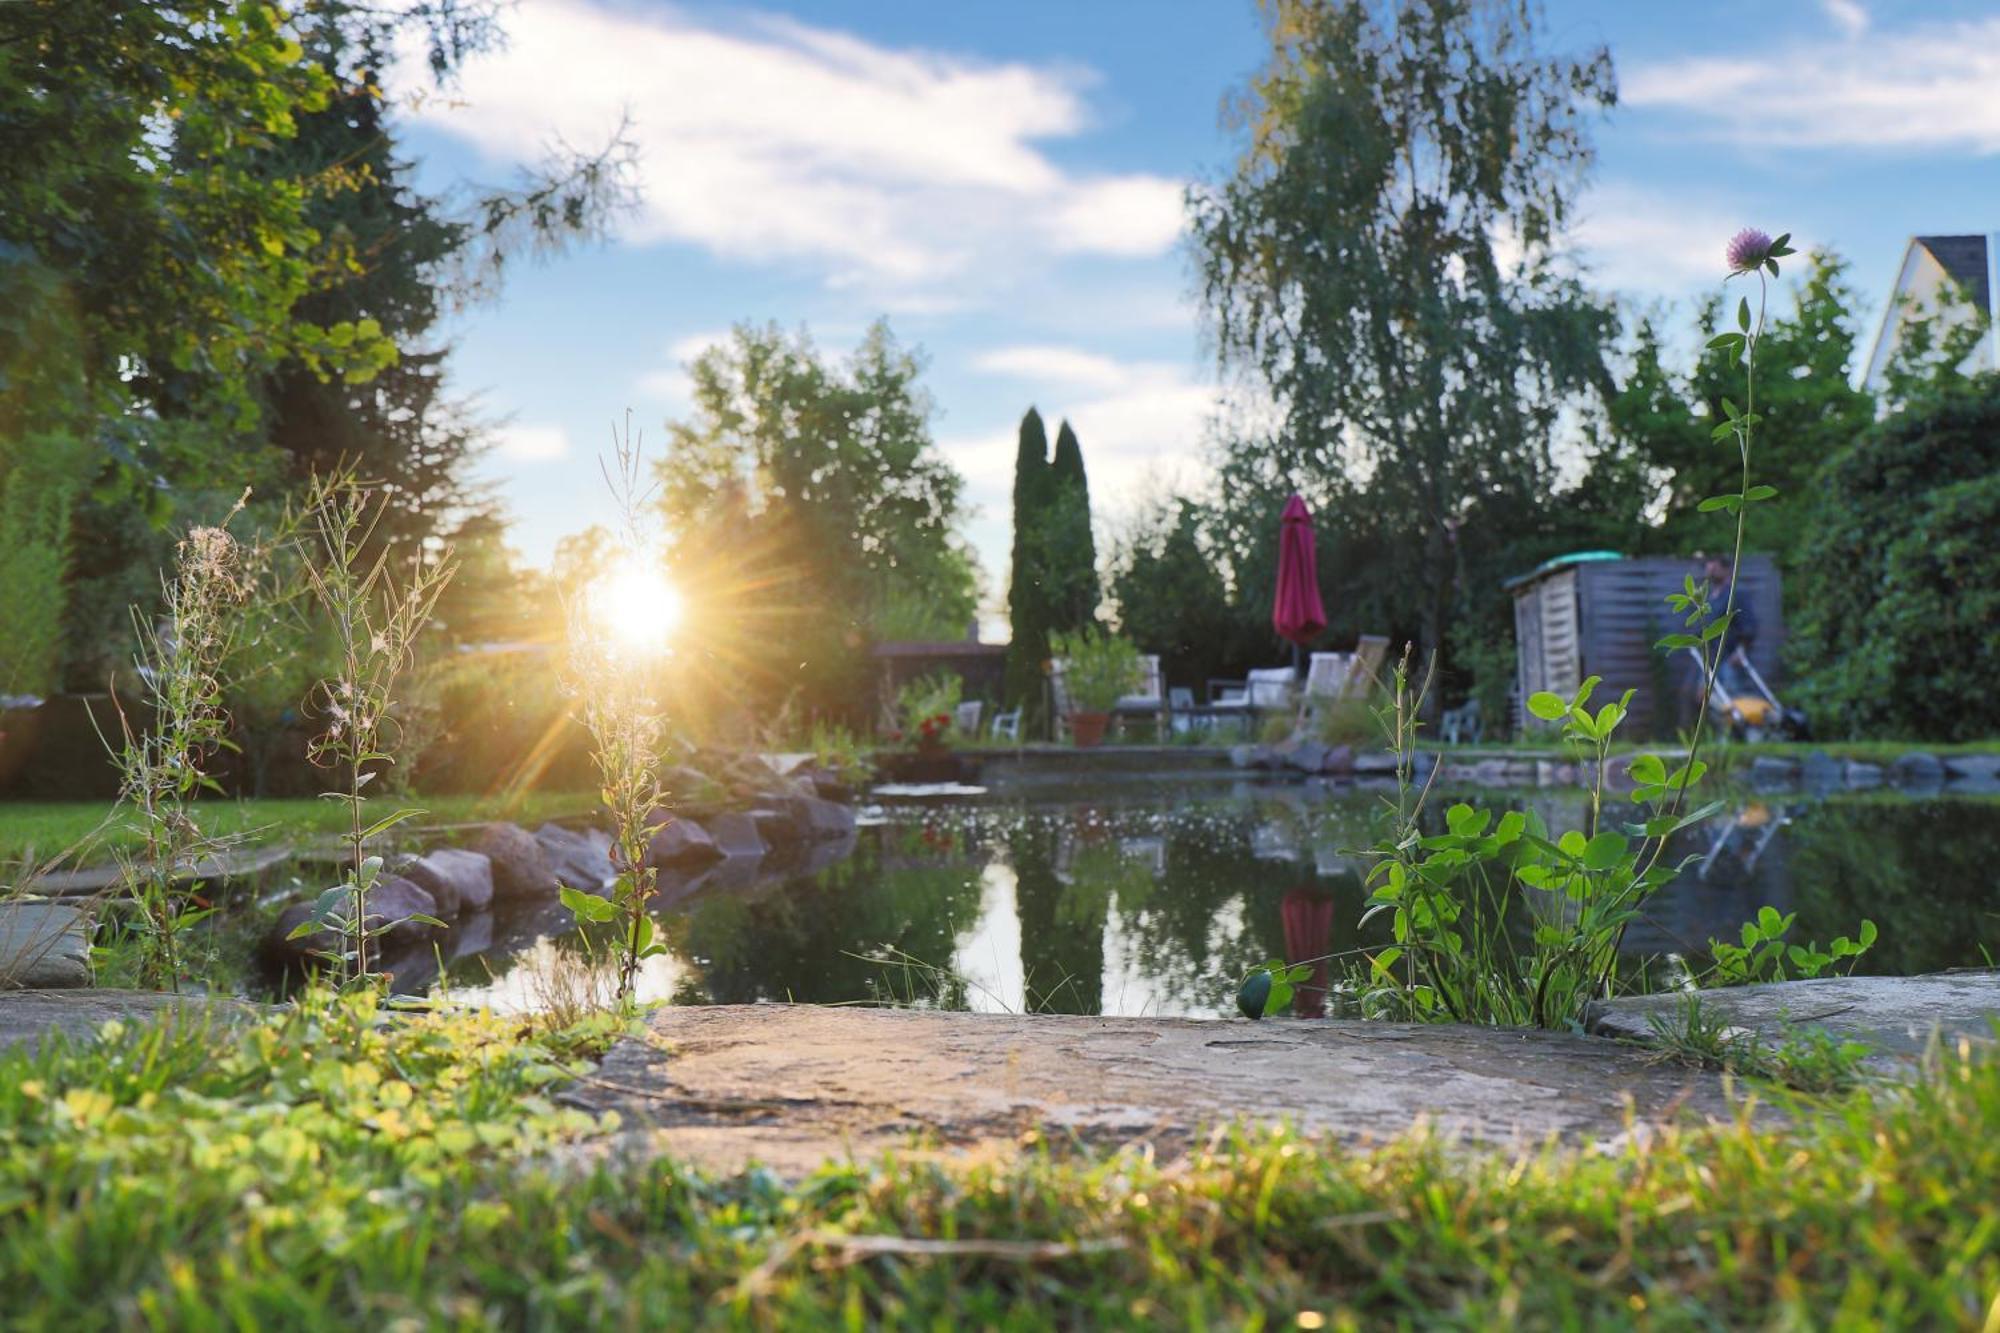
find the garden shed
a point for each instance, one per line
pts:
(1597, 613)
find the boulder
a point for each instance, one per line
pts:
(520, 867)
(44, 946)
(736, 835)
(457, 880)
(1820, 771)
(678, 841)
(827, 784)
(778, 827)
(391, 903)
(1917, 770)
(1243, 756)
(1984, 767)
(1306, 756)
(1771, 771)
(580, 858)
(820, 820)
(1339, 761)
(1859, 774)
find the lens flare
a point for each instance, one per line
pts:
(636, 609)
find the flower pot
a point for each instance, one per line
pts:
(1088, 728)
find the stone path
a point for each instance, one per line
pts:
(28, 1016)
(1895, 1015)
(790, 1086)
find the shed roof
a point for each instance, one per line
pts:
(1554, 563)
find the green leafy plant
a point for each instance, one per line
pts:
(1099, 669)
(615, 672)
(1267, 988)
(926, 710)
(375, 612)
(1764, 955)
(1806, 1059)
(163, 767)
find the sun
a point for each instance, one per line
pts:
(636, 608)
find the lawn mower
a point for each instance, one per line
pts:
(1755, 714)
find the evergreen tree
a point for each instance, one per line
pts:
(1068, 548)
(1027, 589)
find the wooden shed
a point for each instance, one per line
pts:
(1596, 613)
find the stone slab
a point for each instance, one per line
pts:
(791, 1086)
(27, 1017)
(1895, 1015)
(44, 945)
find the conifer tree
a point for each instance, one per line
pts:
(1068, 547)
(1027, 589)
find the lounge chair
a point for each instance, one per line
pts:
(1150, 699)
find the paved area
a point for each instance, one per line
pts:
(1897, 1016)
(790, 1086)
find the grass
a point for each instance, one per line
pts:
(47, 827)
(1876, 752)
(332, 1167)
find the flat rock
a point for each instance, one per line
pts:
(28, 1016)
(737, 834)
(791, 1086)
(44, 945)
(1895, 1015)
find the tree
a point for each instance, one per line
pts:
(1351, 263)
(1069, 550)
(1171, 596)
(808, 499)
(1899, 582)
(1027, 593)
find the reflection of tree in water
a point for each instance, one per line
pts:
(1921, 870)
(796, 939)
(1062, 910)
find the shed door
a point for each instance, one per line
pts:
(1562, 659)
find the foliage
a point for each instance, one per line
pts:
(616, 680)
(804, 497)
(338, 1164)
(1810, 1060)
(1349, 263)
(1765, 956)
(1028, 611)
(1171, 593)
(1062, 536)
(163, 766)
(38, 485)
(376, 613)
(925, 709)
(1098, 668)
(1899, 582)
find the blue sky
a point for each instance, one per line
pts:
(1002, 180)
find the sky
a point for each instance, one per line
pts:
(1003, 180)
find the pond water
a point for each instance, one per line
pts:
(1140, 896)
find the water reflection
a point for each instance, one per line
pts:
(1154, 900)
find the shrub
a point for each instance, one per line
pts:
(34, 551)
(1098, 668)
(1900, 584)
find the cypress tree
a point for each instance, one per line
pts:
(1027, 589)
(1070, 549)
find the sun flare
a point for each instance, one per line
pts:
(636, 608)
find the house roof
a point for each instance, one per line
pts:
(1964, 257)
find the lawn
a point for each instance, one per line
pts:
(332, 1167)
(45, 828)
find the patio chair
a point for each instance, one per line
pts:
(1149, 700)
(1058, 699)
(1461, 725)
(965, 718)
(1263, 690)
(1007, 726)
(1181, 709)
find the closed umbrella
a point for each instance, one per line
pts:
(1297, 612)
(1308, 919)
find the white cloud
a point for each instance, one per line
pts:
(1926, 88)
(1046, 364)
(531, 443)
(1847, 15)
(1641, 241)
(669, 382)
(769, 140)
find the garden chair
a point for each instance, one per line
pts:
(1058, 700)
(1461, 725)
(965, 718)
(1149, 700)
(1007, 726)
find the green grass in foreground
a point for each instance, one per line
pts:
(46, 828)
(328, 1168)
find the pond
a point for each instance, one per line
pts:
(1138, 896)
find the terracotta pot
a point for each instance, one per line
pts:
(1088, 728)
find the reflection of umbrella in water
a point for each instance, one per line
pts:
(1308, 918)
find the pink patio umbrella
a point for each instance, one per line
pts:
(1297, 612)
